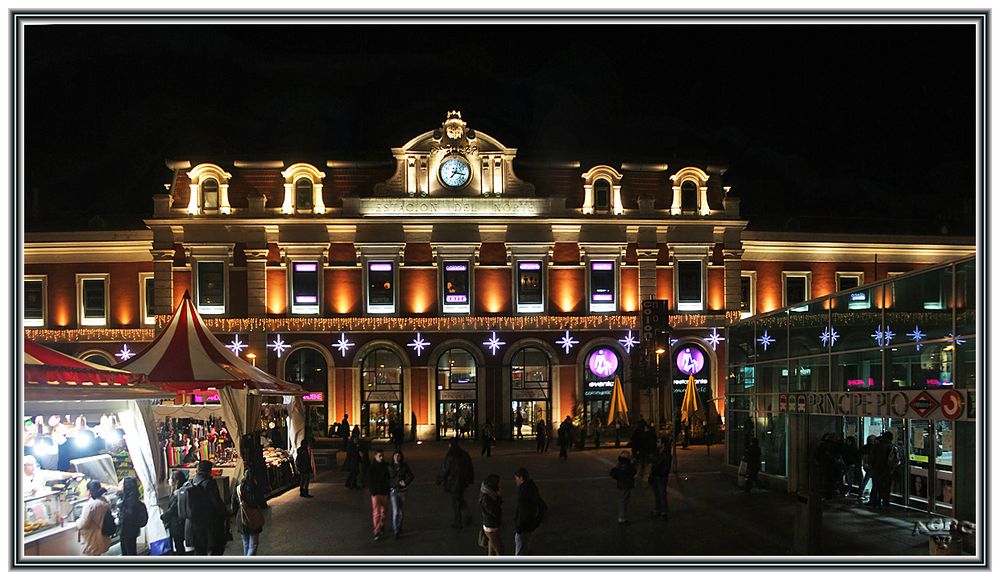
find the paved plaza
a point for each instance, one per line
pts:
(709, 516)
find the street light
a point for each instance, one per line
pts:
(656, 408)
(253, 358)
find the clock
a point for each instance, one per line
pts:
(455, 172)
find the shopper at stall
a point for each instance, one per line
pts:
(456, 475)
(400, 476)
(379, 485)
(304, 464)
(90, 525)
(490, 504)
(247, 506)
(132, 516)
(171, 518)
(201, 504)
(530, 511)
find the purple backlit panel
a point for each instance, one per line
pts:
(603, 362)
(690, 360)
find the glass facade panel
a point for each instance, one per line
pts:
(857, 371)
(771, 337)
(530, 289)
(965, 298)
(919, 366)
(919, 306)
(809, 374)
(852, 327)
(809, 330)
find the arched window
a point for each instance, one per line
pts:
(307, 368)
(602, 195)
(98, 360)
(381, 392)
(689, 196)
(210, 194)
(601, 367)
(530, 390)
(456, 394)
(303, 194)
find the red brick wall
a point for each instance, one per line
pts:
(494, 289)
(629, 289)
(418, 289)
(344, 396)
(665, 285)
(492, 254)
(237, 293)
(342, 291)
(418, 394)
(566, 291)
(182, 284)
(716, 291)
(565, 253)
(277, 291)
(567, 392)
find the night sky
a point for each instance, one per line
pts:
(836, 128)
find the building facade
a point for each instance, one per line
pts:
(450, 284)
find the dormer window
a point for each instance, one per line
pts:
(689, 197)
(303, 194)
(602, 195)
(210, 194)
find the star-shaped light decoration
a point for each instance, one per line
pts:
(830, 335)
(419, 344)
(567, 342)
(766, 340)
(629, 341)
(237, 345)
(715, 338)
(126, 354)
(343, 345)
(494, 343)
(917, 335)
(674, 341)
(278, 346)
(956, 338)
(883, 337)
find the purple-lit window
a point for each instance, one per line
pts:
(455, 287)
(381, 287)
(602, 285)
(530, 286)
(305, 288)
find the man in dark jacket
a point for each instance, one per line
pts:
(206, 528)
(541, 435)
(352, 463)
(345, 430)
(400, 477)
(456, 475)
(488, 439)
(530, 511)
(171, 519)
(379, 485)
(565, 434)
(624, 474)
(303, 462)
(884, 461)
(659, 473)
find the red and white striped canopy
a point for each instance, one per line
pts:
(50, 375)
(186, 357)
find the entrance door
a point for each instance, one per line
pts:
(531, 412)
(380, 416)
(596, 408)
(457, 419)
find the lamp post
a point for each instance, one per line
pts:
(253, 358)
(656, 410)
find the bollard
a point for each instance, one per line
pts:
(808, 523)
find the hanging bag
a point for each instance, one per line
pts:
(253, 517)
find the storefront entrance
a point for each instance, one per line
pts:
(530, 392)
(457, 389)
(377, 417)
(457, 419)
(382, 393)
(531, 412)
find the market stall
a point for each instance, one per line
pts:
(82, 422)
(211, 382)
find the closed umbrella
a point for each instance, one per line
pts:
(619, 410)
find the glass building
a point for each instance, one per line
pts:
(898, 356)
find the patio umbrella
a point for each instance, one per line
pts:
(619, 410)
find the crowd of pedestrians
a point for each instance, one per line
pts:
(841, 464)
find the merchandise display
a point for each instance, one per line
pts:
(185, 441)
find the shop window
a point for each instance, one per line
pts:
(858, 299)
(307, 368)
(530, 390)
(796, 289)
(34, 302)
(689, 197)
(602, 195)
(455, 287)
(381, 294)
(382, 392)
(210, 194)
(93, 300)
(303, 194)
(747, 294)
(305, 288)
(211, 287)
(147, 293)
(530, 286)
(689, 285)
(456, 393)
(603, 282)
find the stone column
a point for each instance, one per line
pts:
(256, 281)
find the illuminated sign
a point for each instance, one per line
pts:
(381, 294)
(529, 283)
(603, 363)
(455, 287)
(380, 267)
(602, 286)
(860, 382)
(598, 388)
(305, 288)
(209, 399)
(892, 404)
(459, 207)
(690, 360)
(313, 397)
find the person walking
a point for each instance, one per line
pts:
(490, 506)
(564, 436)
(624, 475)
(303, 462)
(541, 434)
(132, 516)
(518, 422)
(379, 485)
(205, 511)
(752, 456)
(530, 511)
(456, 475)
(352, 464)
(90, 524)
(659, 475)
(596, 426)
(400, 477)
(635, 445)
(885, 462)
(488, 439)
(866, 466)
(247, 506)
(171, 519)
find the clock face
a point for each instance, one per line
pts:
(455, 172)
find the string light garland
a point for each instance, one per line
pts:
(132, 335)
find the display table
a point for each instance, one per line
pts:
(57, 541)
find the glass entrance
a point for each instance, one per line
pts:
(378, 417)
(456, 394)
(530, 392)
(531, 413)
(457, 419)
(381, 393)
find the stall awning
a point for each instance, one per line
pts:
(186, 358)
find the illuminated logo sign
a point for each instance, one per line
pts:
(456, 268)
(380, 266)
(859, 296)
(530, 265)
(456, 298)
(313, 397)
(602, 266)
(603, 363)
(305, 267)
(461, 207)
(860, 382)
(690, 360)
(203, 399)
